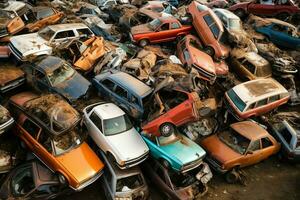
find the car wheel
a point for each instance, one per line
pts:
(240, 13)
(210, 51)
(167, 129)
(143, 42)
(232, 177)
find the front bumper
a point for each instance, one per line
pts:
(205, 174)
(134, 162)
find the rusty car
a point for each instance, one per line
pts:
(256, 97)
(191, 53)
(31, 180)
(162, 29)
(126, 183)
(25, 47)
(10, 24)
(6, 120)
(156, 9)
(209, 28)
(11, 77)
(243, 144)
(49, 127)
(55, 75)
(250, 66)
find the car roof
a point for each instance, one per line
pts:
(226, 13)
(14, 6)
(108, 111)
(129, 82)
(256, 59)
(49, 63)
(258, 89)
(249, 130)
(60, 27)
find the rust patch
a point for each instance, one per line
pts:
(9, 73)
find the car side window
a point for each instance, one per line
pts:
(255, 145)
(164, 27)
(285, 133)
(31, 128)
(108, 84)
(261, 103)
(96, 120)
(121, 92)
(134, 100)
(45, 141)
(84, 32)
(174, 25)
(44, 13)
(274, 98)
(266, 142)
(249, 66)
(64, 34)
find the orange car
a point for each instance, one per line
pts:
(83, 55)
(49, 128)
(39, 17)
(10, 24)
(209, 28)
(244, 144)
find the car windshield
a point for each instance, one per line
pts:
(162, 140)
(116, 125)
(126, 184)
(46, 33)
(235, 24)
(66, 142)
(154, 24)
(235, 141)
(236, 100)
(61, 74)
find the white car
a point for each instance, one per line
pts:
(15, 8)
(112, 131)
(26, 46)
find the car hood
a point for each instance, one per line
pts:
(82, 163)
(140, 29)
(203, 60)
(128, 145)
(218, 150)
(9, 74)
(30, 44)
(184, 150)
(74, 88)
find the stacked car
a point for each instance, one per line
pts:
(144, 92)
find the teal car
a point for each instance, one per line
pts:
(175, 151)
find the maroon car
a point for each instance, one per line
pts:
(274, 8)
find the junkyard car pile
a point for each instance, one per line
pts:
(128, 91)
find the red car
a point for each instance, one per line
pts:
(278, 8)
(162, 29)
(191, 53)
(176, 107)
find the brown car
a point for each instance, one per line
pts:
(249, 66)
(209, 28)
(11, 77)
(9, 24)
(243, 144)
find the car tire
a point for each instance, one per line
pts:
(240, 13)
(166, 129)
(232, 177)
(210, 51)
(143, 42)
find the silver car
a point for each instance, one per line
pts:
(112, 131)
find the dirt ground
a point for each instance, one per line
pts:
(269, 180)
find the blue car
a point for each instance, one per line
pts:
(281, 33)
(55, 75)
(124, 90)
(175, 151)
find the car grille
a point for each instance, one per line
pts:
(192, 165)
(204, 73)
(15, 51)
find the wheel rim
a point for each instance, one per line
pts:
(166, 129)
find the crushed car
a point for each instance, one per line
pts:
(11, 77)
(156, 9)
(48, 126)
(53, 74)
(10, 24)
(6, 120)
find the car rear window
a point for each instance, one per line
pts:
(236, 100)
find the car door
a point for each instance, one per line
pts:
(28, 131)
(121, 96)
(266, 7)
(40, 81)
(267, 148)
(95, 127)
(253, 154)
(161, 33)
